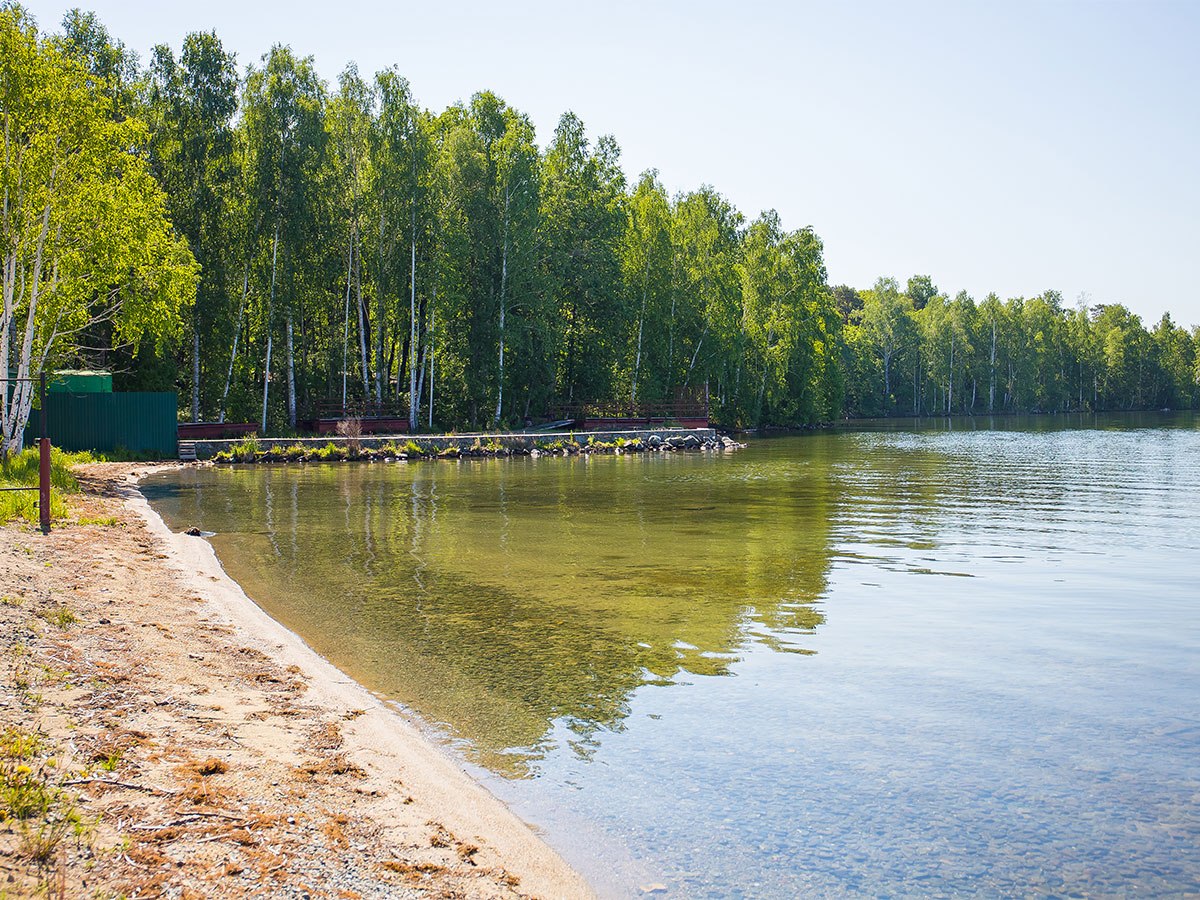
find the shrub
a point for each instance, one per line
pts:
(351, 430)
(246, 450)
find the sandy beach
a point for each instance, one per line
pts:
(193, 747)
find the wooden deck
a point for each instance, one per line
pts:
(207, 431)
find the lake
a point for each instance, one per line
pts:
(951, 659)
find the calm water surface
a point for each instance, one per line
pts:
(939, 661)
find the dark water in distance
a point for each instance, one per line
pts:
(893, 660)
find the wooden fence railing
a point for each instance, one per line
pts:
(356, 409)
(686, 410)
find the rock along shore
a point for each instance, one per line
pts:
(403, 447)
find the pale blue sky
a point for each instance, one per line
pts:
(1012, 147)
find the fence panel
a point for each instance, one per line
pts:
(141, 422)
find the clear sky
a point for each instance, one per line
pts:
(1002, 146)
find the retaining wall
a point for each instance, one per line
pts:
(514, 441)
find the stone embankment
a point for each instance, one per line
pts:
(464, 446)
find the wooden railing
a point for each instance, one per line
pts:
(357, 409)
(688, 409)
(373, 418)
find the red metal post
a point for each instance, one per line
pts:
(44, 484)
(44, 468)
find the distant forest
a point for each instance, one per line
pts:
(352, 244)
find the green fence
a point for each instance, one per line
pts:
(141, 422)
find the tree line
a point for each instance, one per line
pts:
(351, 246)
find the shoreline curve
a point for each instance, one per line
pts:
(379, 739)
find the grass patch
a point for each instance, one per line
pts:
(21, 470)
(33, 798)
(105, 521)
(60, 616)
(246, 450)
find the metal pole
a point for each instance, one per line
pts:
(44, 468)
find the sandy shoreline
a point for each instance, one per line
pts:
(223, 756)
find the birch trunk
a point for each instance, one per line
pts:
(379, 318)
(237, 332)
(346, 318)
(950, 392)
(195, 366)
(637, 360)
(363, 319)
(412, 299)
(412, 330)
(270, 316)
(291, 374)
(700, 343)
(432, 332)
(503, 285)
(762, 387)
(992, 387)
(22, 398)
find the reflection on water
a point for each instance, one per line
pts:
(954, 661)
(502, 597)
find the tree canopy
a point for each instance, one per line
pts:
(88, 251)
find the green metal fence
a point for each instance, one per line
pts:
(141, 422)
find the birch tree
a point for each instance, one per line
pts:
(192, 103)
(647, 262)
(283, 117)
(887, 323)
(350, 117)
(84, 238)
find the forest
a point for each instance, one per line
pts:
(340, 244)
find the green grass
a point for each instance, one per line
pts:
(21, 470)
(60, 616)
(105, 521)
(246, 450)
(33, 798)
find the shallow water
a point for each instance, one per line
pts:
(950, 660)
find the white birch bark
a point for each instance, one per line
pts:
(236, 334)
(270, 334)
(195, 366)
(291, 373)
(637, 359)
(503, 285)
(346, 318)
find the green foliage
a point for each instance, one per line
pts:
(245, 450)
(88, 210)
(330, 451)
